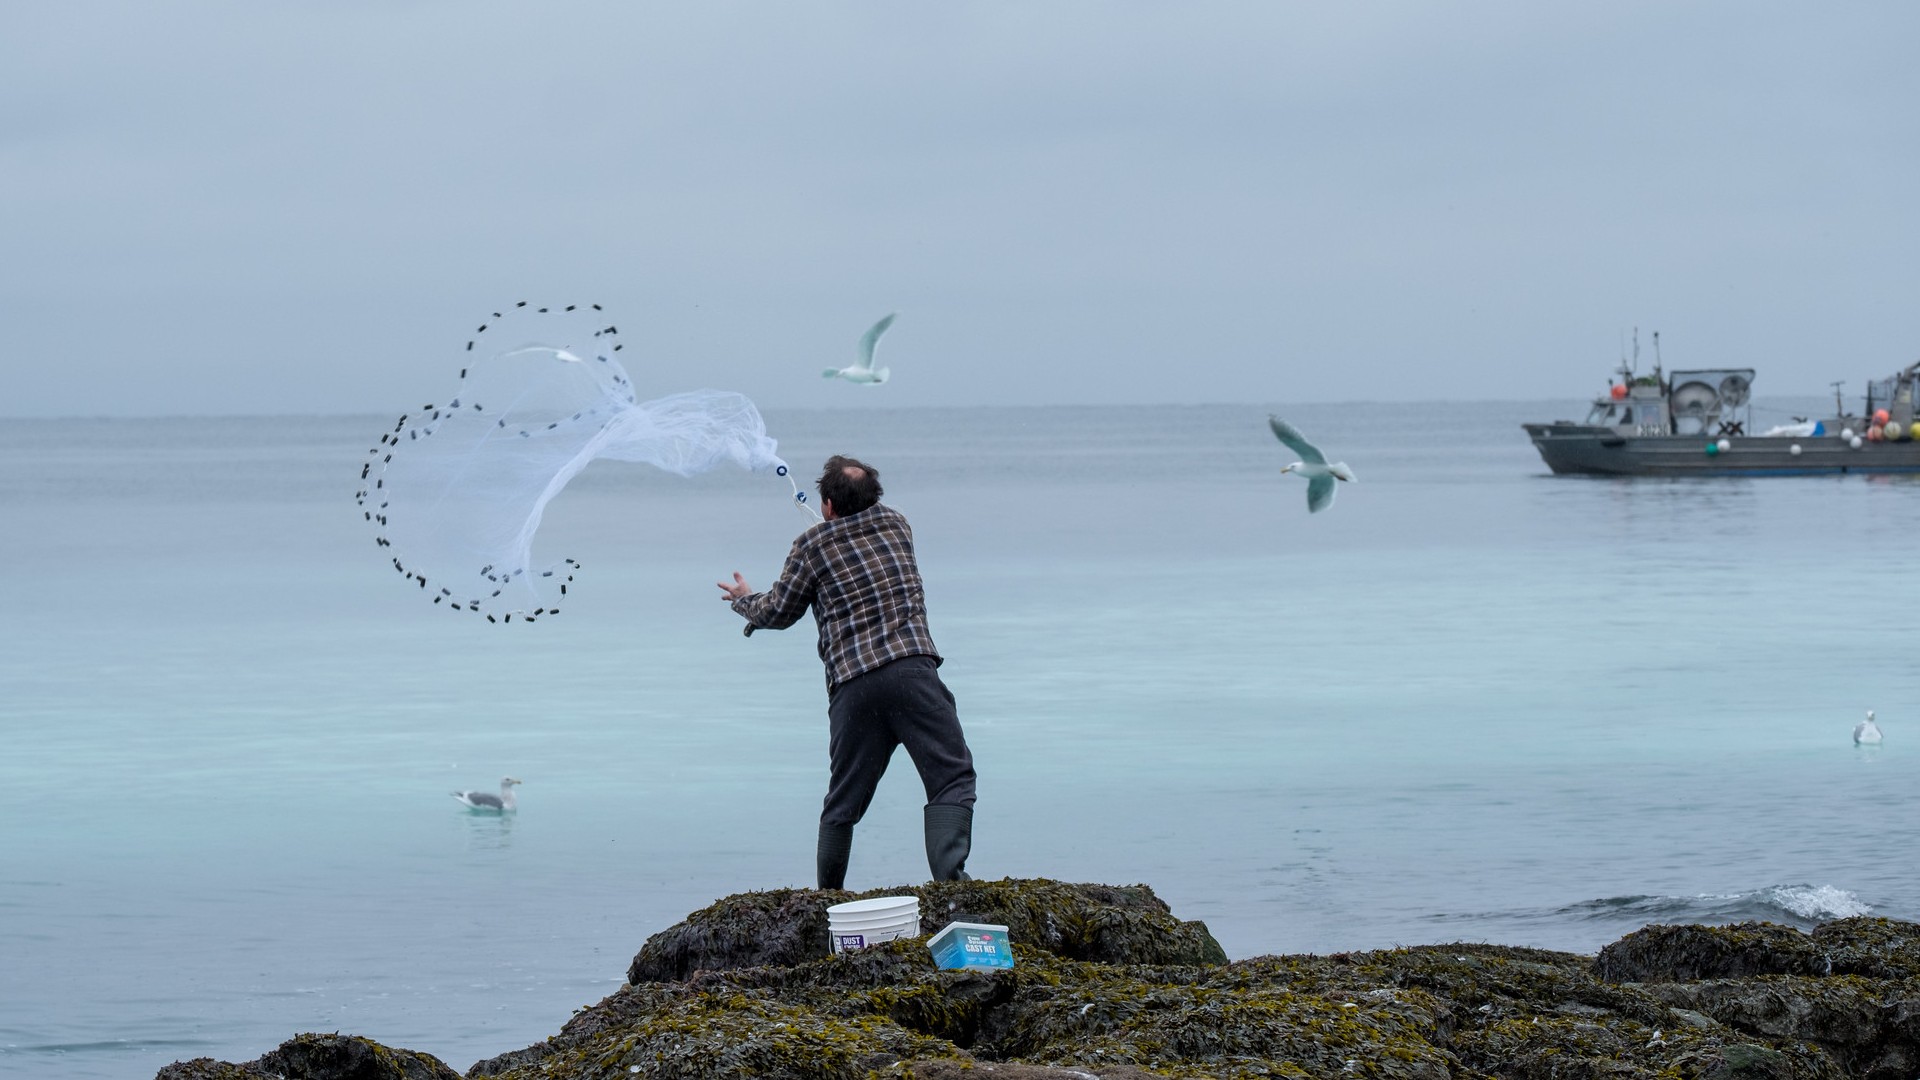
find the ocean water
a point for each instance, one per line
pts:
(1470, 702)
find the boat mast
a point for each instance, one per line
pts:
(1627, 366)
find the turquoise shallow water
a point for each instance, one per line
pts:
(1470, 702)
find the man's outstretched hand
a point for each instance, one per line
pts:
(735, 591)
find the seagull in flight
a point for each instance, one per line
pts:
(487, 800)
(1866, 732)
(862, 370)
(1312, 464)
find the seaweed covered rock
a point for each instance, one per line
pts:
(1870, 1028)
(784, 927)
(1742, 1061)
(952, 1070)
(1531, 1013)
(1851, 987)
(1871, 947)
(208, 1069)
(1104, 924)
(686, 1032)
(1198, 1023)
(319, 1057)
(350, 1057)
(1109, 985)
(1679, 953)
(1404, 1014)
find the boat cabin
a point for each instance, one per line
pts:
(1707, 401)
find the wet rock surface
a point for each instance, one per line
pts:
(1851, 988)
(319, 1057)
(1104, 923)
(1109, 984)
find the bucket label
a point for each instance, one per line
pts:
(850, 941)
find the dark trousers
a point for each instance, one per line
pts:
(903, 703)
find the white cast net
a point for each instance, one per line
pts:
(455, 492)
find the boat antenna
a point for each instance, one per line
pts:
(1839, 408)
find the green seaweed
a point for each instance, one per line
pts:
(1107, 981)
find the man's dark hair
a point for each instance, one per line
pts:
(850, 485)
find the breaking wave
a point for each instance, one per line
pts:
(1804, 906)
(1590, 924)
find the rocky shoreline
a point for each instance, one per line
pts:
(1109, 984)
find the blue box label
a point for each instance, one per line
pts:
(961, 947)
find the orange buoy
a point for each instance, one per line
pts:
(1618, 391)
(1880, 416)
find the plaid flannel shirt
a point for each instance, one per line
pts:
(859, 576)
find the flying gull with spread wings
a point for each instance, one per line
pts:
(862, 370)
(1321, 475)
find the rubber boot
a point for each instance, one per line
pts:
(830, 855)
(949, 840)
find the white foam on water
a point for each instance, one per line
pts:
(1805, 906)
(1817, 902)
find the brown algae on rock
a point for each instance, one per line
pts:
(1109, 984)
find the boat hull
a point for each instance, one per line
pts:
(1577, 449)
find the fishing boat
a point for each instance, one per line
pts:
(1700, 423)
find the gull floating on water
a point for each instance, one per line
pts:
(1866, 732)
(1313, 465)
(487, 800)
(862, 370)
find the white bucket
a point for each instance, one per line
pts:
(860, 923)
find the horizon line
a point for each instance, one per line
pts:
(1350, 402)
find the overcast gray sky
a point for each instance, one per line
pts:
(217, 206)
